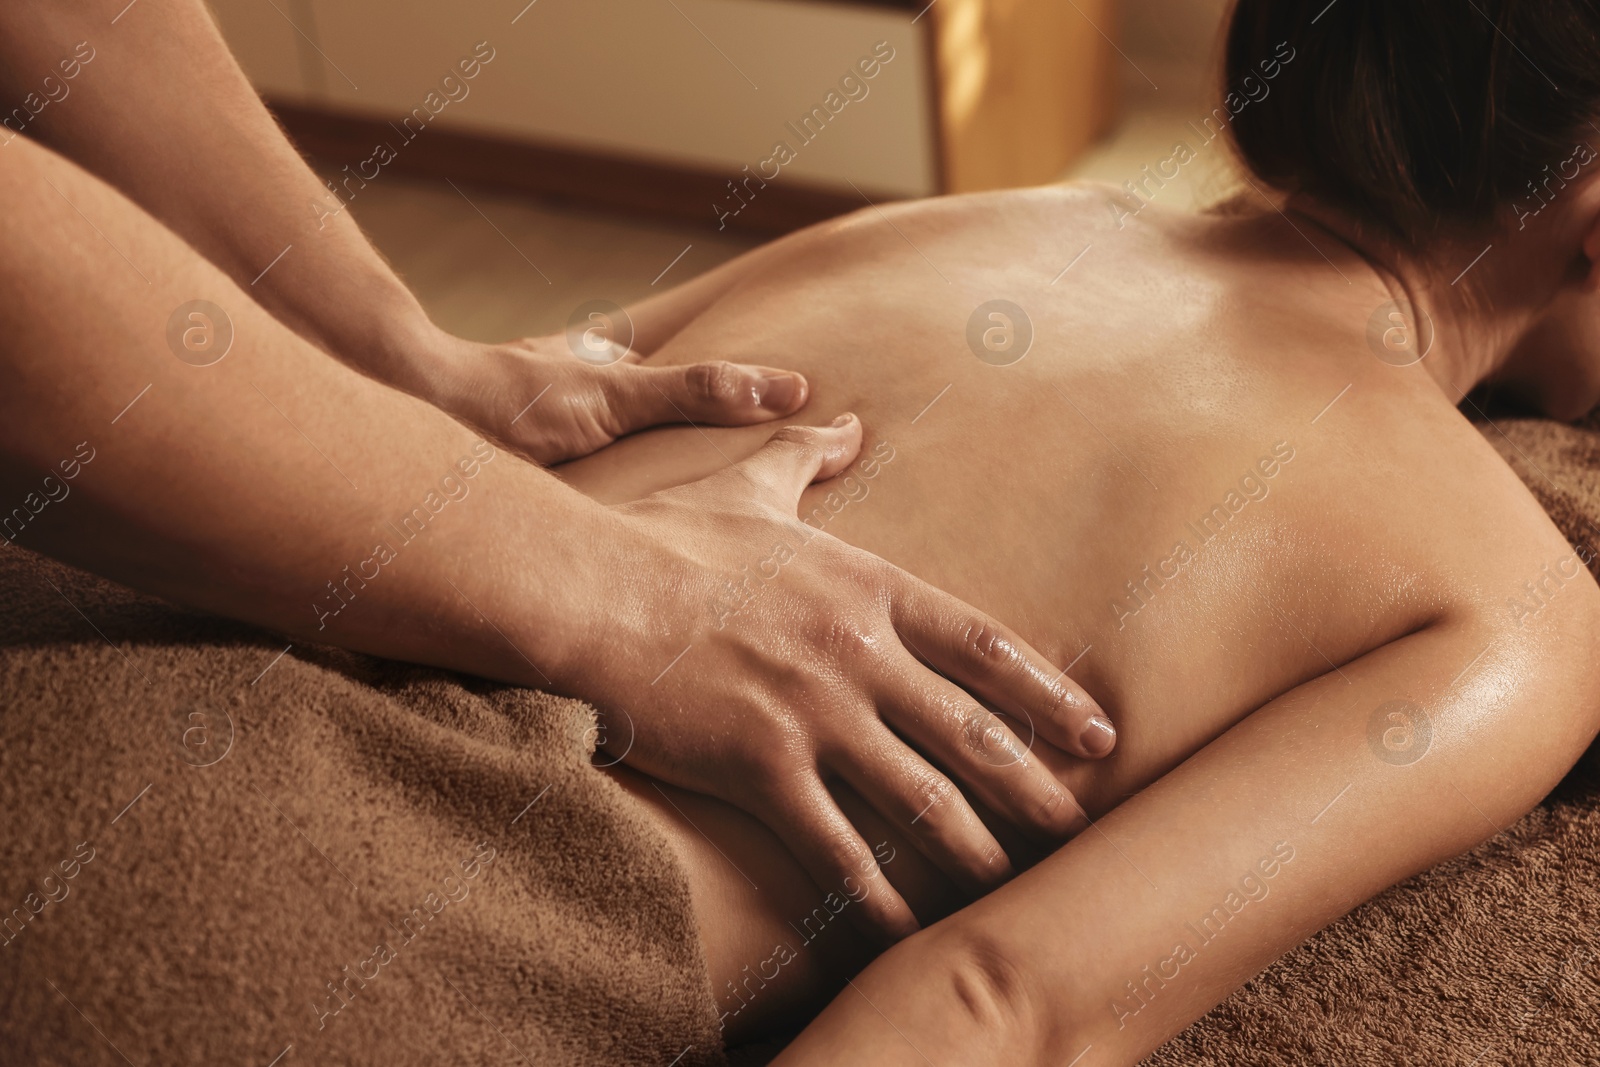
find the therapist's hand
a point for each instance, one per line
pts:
(537, 397)
(825, 663)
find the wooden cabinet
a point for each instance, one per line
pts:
(763, 113)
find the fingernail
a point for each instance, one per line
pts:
(1099, 737)
(780, 393)
(843, 420)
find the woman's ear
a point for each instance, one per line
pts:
(1591, 249)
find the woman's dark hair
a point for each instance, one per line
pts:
(1422, 117)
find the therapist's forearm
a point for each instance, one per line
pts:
(163, 112)
(273, 485)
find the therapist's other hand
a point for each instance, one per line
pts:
(537, 398)
(760, 658)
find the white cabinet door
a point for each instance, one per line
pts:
(713, 84)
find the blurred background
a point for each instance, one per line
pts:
(515, 159)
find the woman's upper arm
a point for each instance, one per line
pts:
(1316, 802)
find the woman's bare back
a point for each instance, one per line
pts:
(1199, 489)
(1200, 486)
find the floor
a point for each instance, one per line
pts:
(491, 267)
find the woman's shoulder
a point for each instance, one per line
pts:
(1078, 205)
(983, 229)
(1415, 484)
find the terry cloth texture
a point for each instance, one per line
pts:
(1491, 958)
(215, 851)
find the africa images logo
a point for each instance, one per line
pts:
(1399, 732)
(999, 333)
(199, 332)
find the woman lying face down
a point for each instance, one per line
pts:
(1324, 680)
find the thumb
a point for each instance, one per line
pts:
(718, 394)
(796, 456)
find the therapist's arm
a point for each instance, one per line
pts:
(280, 487)
(156, 105)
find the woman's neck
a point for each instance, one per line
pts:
(1473, 300)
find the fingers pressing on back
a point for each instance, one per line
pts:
(992, 662)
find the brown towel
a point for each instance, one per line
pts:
(216, 851)
(1492, 958)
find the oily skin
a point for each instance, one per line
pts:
(1182, 359)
